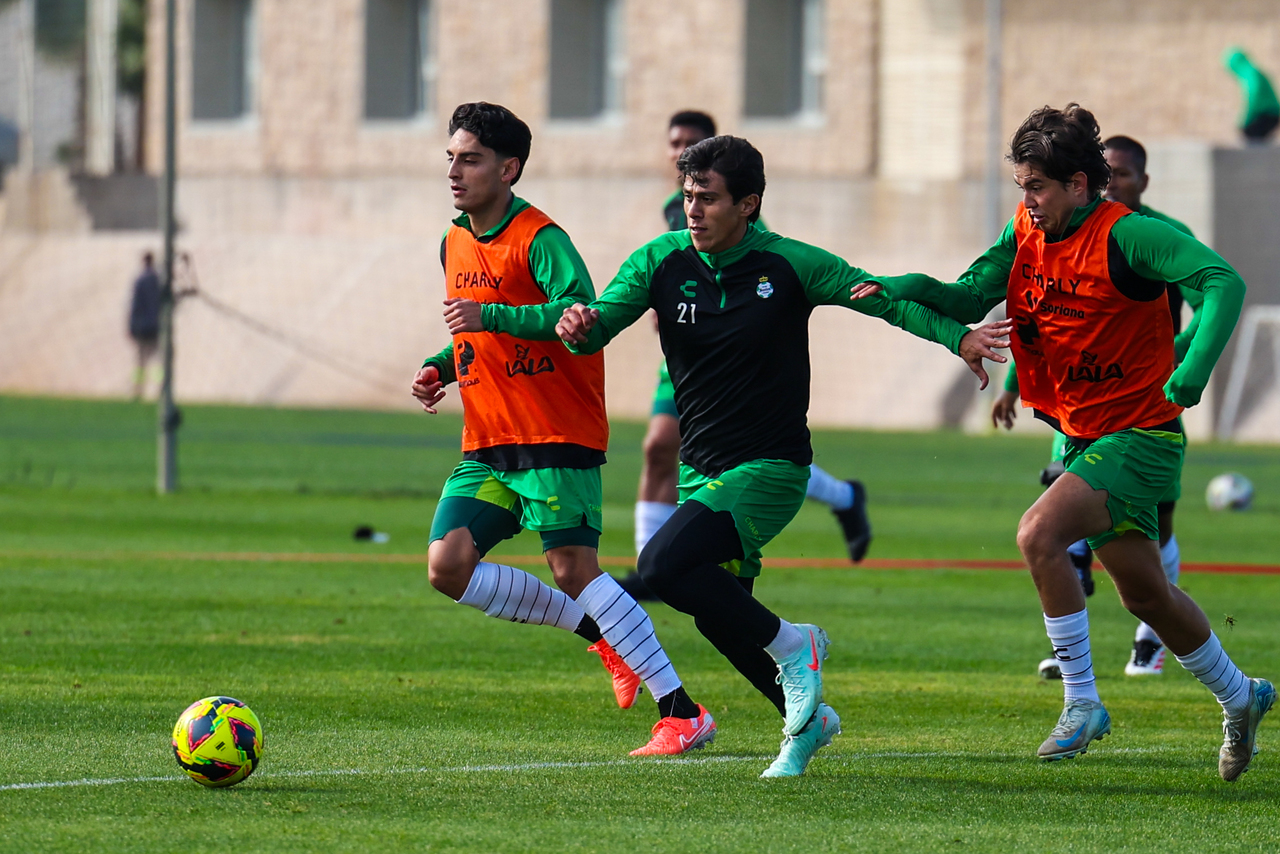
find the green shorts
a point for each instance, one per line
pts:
(564, 505)
(664, 396)
(762, 495)
(1138, 468)
(1061, 445)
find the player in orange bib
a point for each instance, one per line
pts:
(534, 427)
(1083, 280)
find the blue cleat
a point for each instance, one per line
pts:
(1240, 732)
(798, 749)
(800, 676)
(1081, 722)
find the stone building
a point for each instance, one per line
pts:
(311, 139)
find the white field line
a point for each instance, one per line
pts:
(528, 766)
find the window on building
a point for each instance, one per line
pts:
(587, 60)
(222, 59)
(785, 61)
(399, 59)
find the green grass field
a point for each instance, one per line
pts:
(396, 720)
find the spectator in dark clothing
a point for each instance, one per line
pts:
(144, 320)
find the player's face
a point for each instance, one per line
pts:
(716, 222)
(478, 177)
(1128, 183)
(1050, 203)
(679, 138)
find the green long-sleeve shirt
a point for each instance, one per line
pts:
(558, 270)
(1148, 248)
(735, 331)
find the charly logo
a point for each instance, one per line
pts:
(465, 358)
(523, 364)
(764, 290)
(1091, 372)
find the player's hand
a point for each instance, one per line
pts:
(427, 388)
(462, 315)
(978, 344)
(1183, 393)
(575, 323)
(865, 289)
(1005, 410)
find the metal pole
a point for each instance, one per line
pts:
(166, 413)
(994, 214)
(27, 88)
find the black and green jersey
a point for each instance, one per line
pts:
(735, 331)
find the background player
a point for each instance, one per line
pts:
(1083, 280)
(534, 429)
(657, 496)
(1127, 160)
(733, 303)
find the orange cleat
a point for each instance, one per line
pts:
(626, 684)
(673, 736)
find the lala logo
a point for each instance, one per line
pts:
(764, 290)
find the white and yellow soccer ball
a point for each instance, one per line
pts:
(1230, 491)
(218, 741)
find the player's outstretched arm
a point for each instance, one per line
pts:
(588, 328)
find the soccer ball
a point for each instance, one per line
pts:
(217, 741)
(1229, 491)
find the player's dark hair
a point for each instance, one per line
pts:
(735, 159)
(694, 119)
(496, 127)
(148, 258)
(1131, 147)
(1061, 143)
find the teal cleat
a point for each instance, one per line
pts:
(797, 750)
(1240, 732)
(1081, 722)
(800, 676)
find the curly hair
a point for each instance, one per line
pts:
(496, 127)
(1061, 143)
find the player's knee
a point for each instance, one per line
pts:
(451, 562)
(654, 564)
(1035, 537)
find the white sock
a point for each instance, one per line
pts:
(513, 594)
(1213, 667)
(650, 516)
(1070, 638)
(1171, 559)
(825, 488)
(787, 643)
(628, 629)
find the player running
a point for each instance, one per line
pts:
(1084, 282)
(733, 304)
(657, 495)
(1127, 160)
(534, 428)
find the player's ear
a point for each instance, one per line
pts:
(510, 169)
(749, 204)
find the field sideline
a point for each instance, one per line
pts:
(396, 720)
